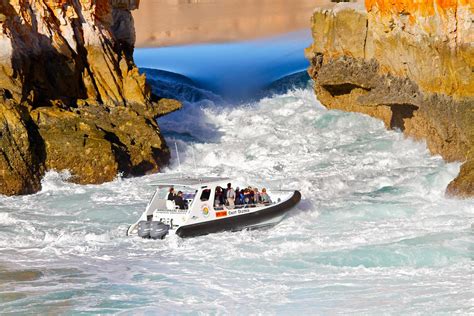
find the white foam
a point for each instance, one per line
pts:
(6, 219)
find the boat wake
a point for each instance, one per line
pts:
(373, 221)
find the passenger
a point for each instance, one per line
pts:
(265, 198)
(222, 196)
(180, 201)
(230, 195)
(171, 195)
(257, 198)
(218, 197)
(223, 199)
(251, 196)
(238, 200)
(247, 196)
(242, 196)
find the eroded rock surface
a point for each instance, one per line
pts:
(408, 63)
(71, 96)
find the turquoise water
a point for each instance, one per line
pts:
(234, 70)
(373, 233)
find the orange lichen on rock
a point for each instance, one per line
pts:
(415, 7)
(55, 3)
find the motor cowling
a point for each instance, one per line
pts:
(152, 229)
(144, 229)
(158, 230)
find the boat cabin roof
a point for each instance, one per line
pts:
(194, 183)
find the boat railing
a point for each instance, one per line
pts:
(171, 211)
(240, 206)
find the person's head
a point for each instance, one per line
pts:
(255, 189)
(264, 190)
(229, 185)
(180, 193)
(171, 190)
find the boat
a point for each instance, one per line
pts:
(203, 215)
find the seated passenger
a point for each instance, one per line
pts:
(171, 195)
(247, 196)
(179, 201)
(257, 198)
(170, 199)
(222, 196)
(251, 195)
(242, 196)
(238, 201)
(264, 197)
(218, 197)
(230, 196)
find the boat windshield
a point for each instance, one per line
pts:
(178, 197)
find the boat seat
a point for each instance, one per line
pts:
(170, 205)
(160, 204)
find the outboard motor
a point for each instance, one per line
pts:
(158, 230)
(144, 229)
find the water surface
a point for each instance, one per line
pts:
(373, 234)
(233, 70)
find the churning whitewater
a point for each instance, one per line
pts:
(373, 233)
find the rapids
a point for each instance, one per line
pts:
(373, 234)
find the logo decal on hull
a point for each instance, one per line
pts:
(221, 214)
(205, 210)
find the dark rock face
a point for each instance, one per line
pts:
(71, 96)
(96, 143)
(376, 63)
(21, 150)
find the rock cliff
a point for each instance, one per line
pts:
(409, 63)
(71, 96)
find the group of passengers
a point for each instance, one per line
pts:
(246, 196)
(178, 199)
(227, 196)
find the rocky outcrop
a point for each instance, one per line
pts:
(409, 63)
(71, 96)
